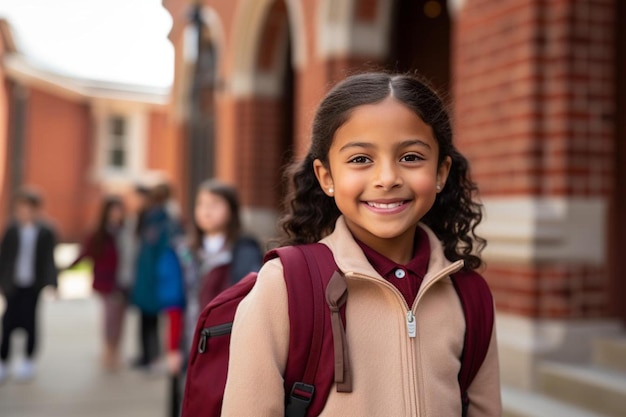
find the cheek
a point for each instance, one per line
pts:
(424, 184)
(348, 182)
(202, 216)
(221, 215)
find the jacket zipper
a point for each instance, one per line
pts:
(411, 323)
(206, 333)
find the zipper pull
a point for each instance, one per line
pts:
(204, 334)
(410, 324)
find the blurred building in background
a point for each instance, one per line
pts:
(76, 139)
(539, 106)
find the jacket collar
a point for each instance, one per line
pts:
(351, 259)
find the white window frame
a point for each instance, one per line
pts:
(117, 143)
(134, 139)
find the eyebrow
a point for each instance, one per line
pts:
(404, 144)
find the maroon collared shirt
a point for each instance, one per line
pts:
(406, 278)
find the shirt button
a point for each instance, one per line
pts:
(400, 273)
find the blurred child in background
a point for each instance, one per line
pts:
(26, 267)
(103, 248)
(214, 257)
(217, 255)
(156, 232)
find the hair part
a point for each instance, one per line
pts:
(310, 214)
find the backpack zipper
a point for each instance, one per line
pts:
(206, 333)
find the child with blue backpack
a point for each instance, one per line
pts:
(383, 187)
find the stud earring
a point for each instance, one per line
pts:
(438, 187)
(331, 190)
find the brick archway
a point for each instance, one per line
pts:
(262, 91)
(357, 35)
(247, 45)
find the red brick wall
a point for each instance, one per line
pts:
(534, 95)
(4, 147)
(258, 153)
(533, 104)
(4, 138)
(550, 290)
(166, 152)
(58, 155)
(310, 86)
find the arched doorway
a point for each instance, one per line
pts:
(264, 90)
(275, 63)
(420, 40)
(396, 35)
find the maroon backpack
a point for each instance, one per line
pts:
(317, 294)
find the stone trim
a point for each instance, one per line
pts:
(534, 229)
(523, 343)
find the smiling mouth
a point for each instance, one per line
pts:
(385, 206)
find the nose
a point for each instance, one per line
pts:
(388, 176)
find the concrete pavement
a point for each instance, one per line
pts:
(70, 381)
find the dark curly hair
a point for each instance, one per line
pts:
(310, 215)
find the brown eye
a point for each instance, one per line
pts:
(359, 160)
(411, 158)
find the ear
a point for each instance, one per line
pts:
(324, 178)
(443, 171)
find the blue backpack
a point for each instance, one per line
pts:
(170, 285)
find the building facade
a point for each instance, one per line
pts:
(76, 140)
(538, 106)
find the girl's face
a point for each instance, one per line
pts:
(212, 213)
(116, 215)
(383, 171)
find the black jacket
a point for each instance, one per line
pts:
(45, 268)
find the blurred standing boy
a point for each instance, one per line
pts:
(26, 267)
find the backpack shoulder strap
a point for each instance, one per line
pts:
(477, 303)
(307, 271)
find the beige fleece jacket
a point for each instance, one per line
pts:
(394, 375)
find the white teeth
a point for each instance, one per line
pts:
(384, 206)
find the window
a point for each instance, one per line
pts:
(117, 133)
(121, 130)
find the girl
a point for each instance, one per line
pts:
(215, 257)
(217, 254)
(384, 188)
(102, 247)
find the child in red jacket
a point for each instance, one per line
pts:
(102, 248)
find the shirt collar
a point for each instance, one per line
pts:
(418, 265)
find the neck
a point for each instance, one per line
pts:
(213, 243)
(399, 249)
(209, 235)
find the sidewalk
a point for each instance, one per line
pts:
(69, 380)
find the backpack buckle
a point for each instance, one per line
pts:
(299, 399)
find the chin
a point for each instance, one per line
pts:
(388, 234)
